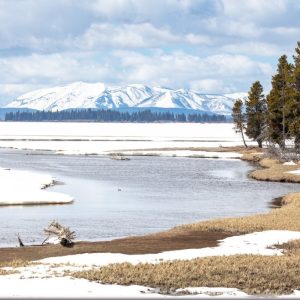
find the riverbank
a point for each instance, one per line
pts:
(271, 169)
(189, 236)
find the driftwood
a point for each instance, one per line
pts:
(64, 234)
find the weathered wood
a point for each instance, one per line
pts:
(64, 234)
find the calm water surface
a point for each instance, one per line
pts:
(145, 194)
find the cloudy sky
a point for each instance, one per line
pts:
(213, 46)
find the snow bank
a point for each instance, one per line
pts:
(254, 243)
(23, 187)
(65, 287)
(295, 172)
(186, 153)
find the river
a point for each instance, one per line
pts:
(143, 195)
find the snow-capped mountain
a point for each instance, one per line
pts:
(81, 95)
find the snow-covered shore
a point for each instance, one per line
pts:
(106, 138)
(28, 188)
(46, 278)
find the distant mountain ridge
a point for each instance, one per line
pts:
(81, 95)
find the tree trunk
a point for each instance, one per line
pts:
(259, 143)
(241, 128)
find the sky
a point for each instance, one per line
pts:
(211, 46)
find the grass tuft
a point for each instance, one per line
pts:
(16, 263)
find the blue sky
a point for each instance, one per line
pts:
(212, 46)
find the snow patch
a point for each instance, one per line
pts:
(295, 172)
(289, 163)
(23, 187)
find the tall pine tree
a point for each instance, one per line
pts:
(279, 101)
(294, 105)
(256, 113)
(239, 118)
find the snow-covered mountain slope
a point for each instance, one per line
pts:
(96, 95)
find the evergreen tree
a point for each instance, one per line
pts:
(294, 105)
(256, 110)
(279, 101)
(239, 118)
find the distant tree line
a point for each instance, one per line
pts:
(273, 118)
(112, 116)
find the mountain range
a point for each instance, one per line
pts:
(81, 95)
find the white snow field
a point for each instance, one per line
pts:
(105, 138)
(28, 188)
(45, 278)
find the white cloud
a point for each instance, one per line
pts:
(252, 48)
(197, 39)
(254, 9)
(51, 69)
(178, 69)
(125, 36)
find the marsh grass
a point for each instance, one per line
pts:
(253, 274)
(6, 272)
(273, 169)
(16, 263)
(276, 172)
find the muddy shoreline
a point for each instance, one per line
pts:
(153, 243)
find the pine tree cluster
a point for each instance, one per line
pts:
(276, 117)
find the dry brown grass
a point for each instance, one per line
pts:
(273, 169)
(16, 263)
(252, 155)
(266, 162)
(285, 218)
(13, 264)
(291, 248)
(256, 275)
(5, 272)
(276, 172)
